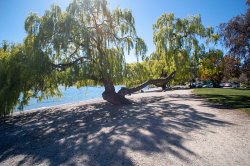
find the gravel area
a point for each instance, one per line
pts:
(159, 128)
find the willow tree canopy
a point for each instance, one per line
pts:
(87, 38)
(181, 42)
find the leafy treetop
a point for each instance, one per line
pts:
(236, 35)
(87, 41)
(181, 43)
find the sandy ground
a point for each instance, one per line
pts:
(160, 128)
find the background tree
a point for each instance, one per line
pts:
(236, 35)
(180, 42)
(212, 66)
(245, 73)
(231, 67)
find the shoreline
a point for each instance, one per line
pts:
(79, 103)
(170, 127)
(59, 106)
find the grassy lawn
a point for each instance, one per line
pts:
(232, 98)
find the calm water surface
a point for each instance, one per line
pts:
(70, 95)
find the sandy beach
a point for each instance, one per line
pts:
(159, 128)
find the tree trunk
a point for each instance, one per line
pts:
(119, 98)
(111, 96)
(126, 91)
(164, 87)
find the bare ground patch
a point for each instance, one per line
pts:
(160, 128)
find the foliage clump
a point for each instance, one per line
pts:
(24, 74)
(84, 45)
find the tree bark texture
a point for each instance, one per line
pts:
(111, 96)
(164, 81)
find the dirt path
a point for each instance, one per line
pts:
(160, 128)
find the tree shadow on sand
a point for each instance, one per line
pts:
(102, 134)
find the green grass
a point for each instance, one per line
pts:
(230, 98)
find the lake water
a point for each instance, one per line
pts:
(70, 95)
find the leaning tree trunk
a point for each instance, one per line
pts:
(111, 96)
(125, 91)
(119, 98)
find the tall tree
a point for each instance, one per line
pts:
(180, 42)
(212, 66)
(87, 44)
(236, 35)
(231, 67)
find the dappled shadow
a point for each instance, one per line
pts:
(228, 101)
(102, 134)
(247, 89)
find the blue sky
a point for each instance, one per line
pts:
(146, 12)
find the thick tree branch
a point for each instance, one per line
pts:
(64, 66)
(125, 91)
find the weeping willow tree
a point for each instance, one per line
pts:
(84, 45)
(9, 92)
(87, 44)
(180, 43)
(23, 74)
